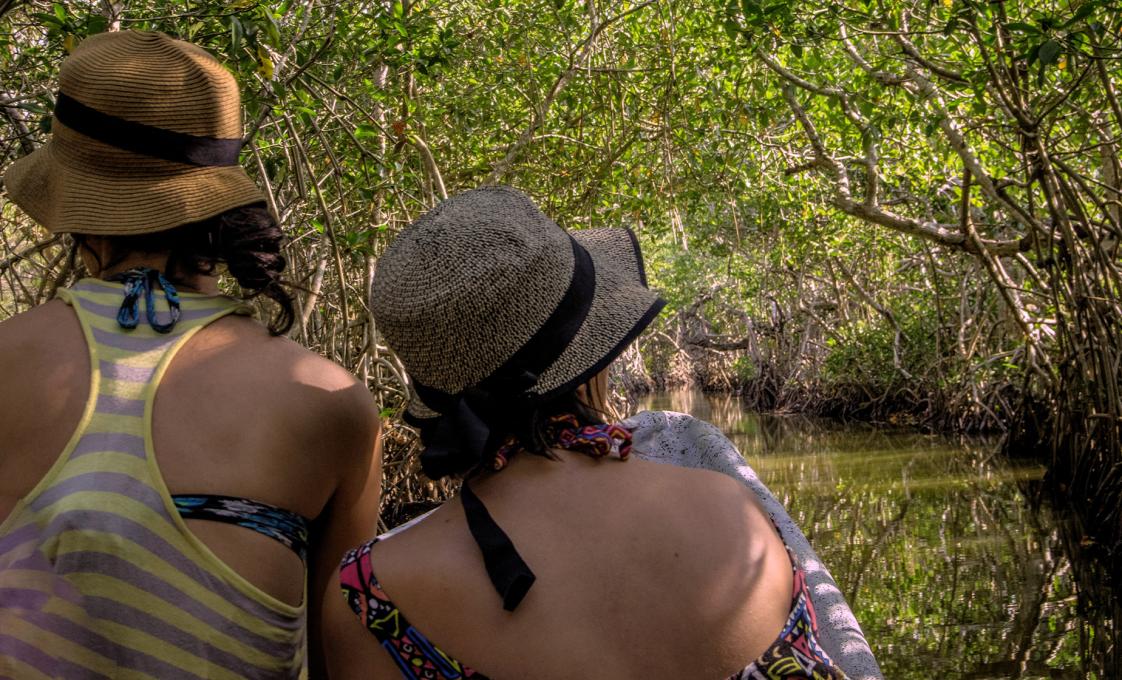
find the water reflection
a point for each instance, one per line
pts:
(949, 570)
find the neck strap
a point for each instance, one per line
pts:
(142, 281)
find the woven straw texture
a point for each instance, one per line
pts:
(470, 282)
(78, 184)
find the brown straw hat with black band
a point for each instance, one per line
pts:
(145, 137)
(494, 309)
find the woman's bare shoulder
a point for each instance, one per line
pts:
(286, 360)
(33, 324)
(40, 339)
(300, 389)
(707, 489)
(704, 511)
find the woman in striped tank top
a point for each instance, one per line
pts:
(177, 481)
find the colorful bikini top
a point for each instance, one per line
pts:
(795, 653)
(283, 526)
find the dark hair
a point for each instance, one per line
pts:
(247, 239)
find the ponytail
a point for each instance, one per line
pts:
(249, 241)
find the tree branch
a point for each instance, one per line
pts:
(537, 119)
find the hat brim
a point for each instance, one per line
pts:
(622, 307)
(123, 193)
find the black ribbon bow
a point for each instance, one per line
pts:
(459, 439)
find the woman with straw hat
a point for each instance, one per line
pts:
(170, 469)
(564, 556)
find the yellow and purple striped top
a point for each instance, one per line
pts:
(99, 575)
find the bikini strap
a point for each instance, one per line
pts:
(282, 525)
(141, 281)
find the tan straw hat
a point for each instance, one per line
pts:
(145, 137)
(485, 290)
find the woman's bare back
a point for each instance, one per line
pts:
(643, 570)
(238, 413)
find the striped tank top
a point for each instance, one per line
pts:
(99, 575)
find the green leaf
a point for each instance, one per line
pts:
(59, 11)
(1023, 27)
(1049, 52)
(732, 29)
(97, 23)
(306, 115)
(365, 131)
(272, 30)
(48, 20)
(236, 32)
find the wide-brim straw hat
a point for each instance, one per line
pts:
(471, 282)
(145, 137)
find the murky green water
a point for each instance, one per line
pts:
(951, 572)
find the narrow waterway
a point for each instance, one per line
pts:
(949, 569)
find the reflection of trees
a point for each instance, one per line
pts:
(1099, 600)
(950, 571)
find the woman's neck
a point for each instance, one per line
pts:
(96, 249)
(207, 285)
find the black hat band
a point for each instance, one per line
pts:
(177, 147)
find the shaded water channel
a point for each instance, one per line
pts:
(950, 570)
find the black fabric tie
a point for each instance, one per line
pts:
(508, 572)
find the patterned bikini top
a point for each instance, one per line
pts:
(795, 653)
